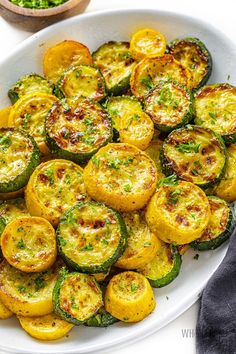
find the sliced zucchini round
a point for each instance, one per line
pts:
(164, 267)
(215, 109)
(116, 64)
(153, 151)
(47, 327)
(32, 83)
(194, 55)
(194, 154)
(91, 237)
(147, 43)
(10, 210)
(63, 55)
(118, 106)
(142, 243)
(53, 188)
(76, 297)
(101, 319)
(29, 244)
(148, 72)
(28, 294)
(170, 105)
(82, 80)
(129, 297)
(19, 155)
(219, 228)
(178, 213)
(137, 130)
(226, 189)
(29, 114)
(121, 176)
(77, 128)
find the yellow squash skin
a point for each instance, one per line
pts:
(63, 55)
(28, 294)
(136, 129)
(121, 176)
(149, 71)
(48, 327)
(227, 186)
(147, 43)
(54, 187)
(153, 151)
(29, 244)
(29, 114)
(129, 297)
(4, 312)
(142, 243)
(178, 214)
(4, 114)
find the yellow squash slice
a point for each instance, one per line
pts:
(121, 176)
(149, 71)
(10, 210)
(29, 114)
(142, 243)
(63, 55)
(29, 244)
(4, 114)
(178, 213)
(147, 43)
(227, 186)
(153, 151)
(54, 187)
(4, 312)
(28, 294)
(48, 327)
(129, 297)
(136, 129)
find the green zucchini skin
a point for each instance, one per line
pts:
(79, 72)
(213, 243)
(56, 299)
(203, 54)
(169, 277)
(118, 51)
(58, 143)
(101, 319)
(165, 91)
(168, 167)
(29, 84)
(91, 268)
(21, 180)
(229, 137)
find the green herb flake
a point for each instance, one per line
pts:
(5, 142)
(38, 4)
(50, 174)
(26, 120)
(168, 181)
(78, 73)
(95, 160)
(21, 244)
(127, 187)
(39, 283)
(61, 241)
(125, 56)
(20, 229)
(88, 247)
(213, 117)
(105, 242)
(188, 147)
(22, 289)
(134, 287)
(174, 196)
(147, 82)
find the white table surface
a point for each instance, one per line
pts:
(179, 335)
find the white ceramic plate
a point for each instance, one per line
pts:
(94, 29)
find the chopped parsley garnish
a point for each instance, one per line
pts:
(50, 174)
(88, 121)
(168, 181)
(61, 241)
(69, 219)
(147, 82)
(66, 133)
(38, 4)
(65, 105)
(39, 283)
(88, 247)
(89, 140)
(21, 244)
(127, 187)
(134, 287)
(213, 117)
(195, 172)
(105, 242)
(5, 142)
(116, 163)
(174, 196)
(126, 55)
(20, 229)
(22, 289)
(78, 73)
(166, 98)
(95, 161)
(26, 119)
(188, 147)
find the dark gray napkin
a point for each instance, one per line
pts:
(216, 325)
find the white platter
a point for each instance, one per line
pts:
(94, 29)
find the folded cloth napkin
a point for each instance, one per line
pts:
(216, 325)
